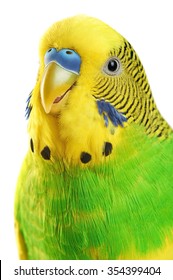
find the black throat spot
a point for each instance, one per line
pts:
(46, 153)
(85, 157)
(107, 150)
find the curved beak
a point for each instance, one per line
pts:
(55, 85)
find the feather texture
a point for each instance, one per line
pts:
(126, 203)
(97, 180)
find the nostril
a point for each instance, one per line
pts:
(50, 55)
(69, 52)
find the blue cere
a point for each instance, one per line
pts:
(50, 55)
(66, 58)
(109, 112)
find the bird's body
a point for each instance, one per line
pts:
(97, 181)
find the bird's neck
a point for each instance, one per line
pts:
(84, 135)
(77, 136)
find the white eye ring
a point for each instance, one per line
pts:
(112, 66)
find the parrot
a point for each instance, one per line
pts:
(96, 182)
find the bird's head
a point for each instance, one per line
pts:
(74, 53)
(90, 81)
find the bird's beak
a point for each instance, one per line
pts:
(55, 86)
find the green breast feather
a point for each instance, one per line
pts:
(71, 214)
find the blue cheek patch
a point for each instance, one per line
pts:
(109, 112)
(66, 58)
(28, 106)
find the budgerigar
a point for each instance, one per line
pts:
(97, 180)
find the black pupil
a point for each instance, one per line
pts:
(112, 65)
(49, 50)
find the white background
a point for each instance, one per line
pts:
(146, 24)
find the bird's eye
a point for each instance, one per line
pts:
(112, 67)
